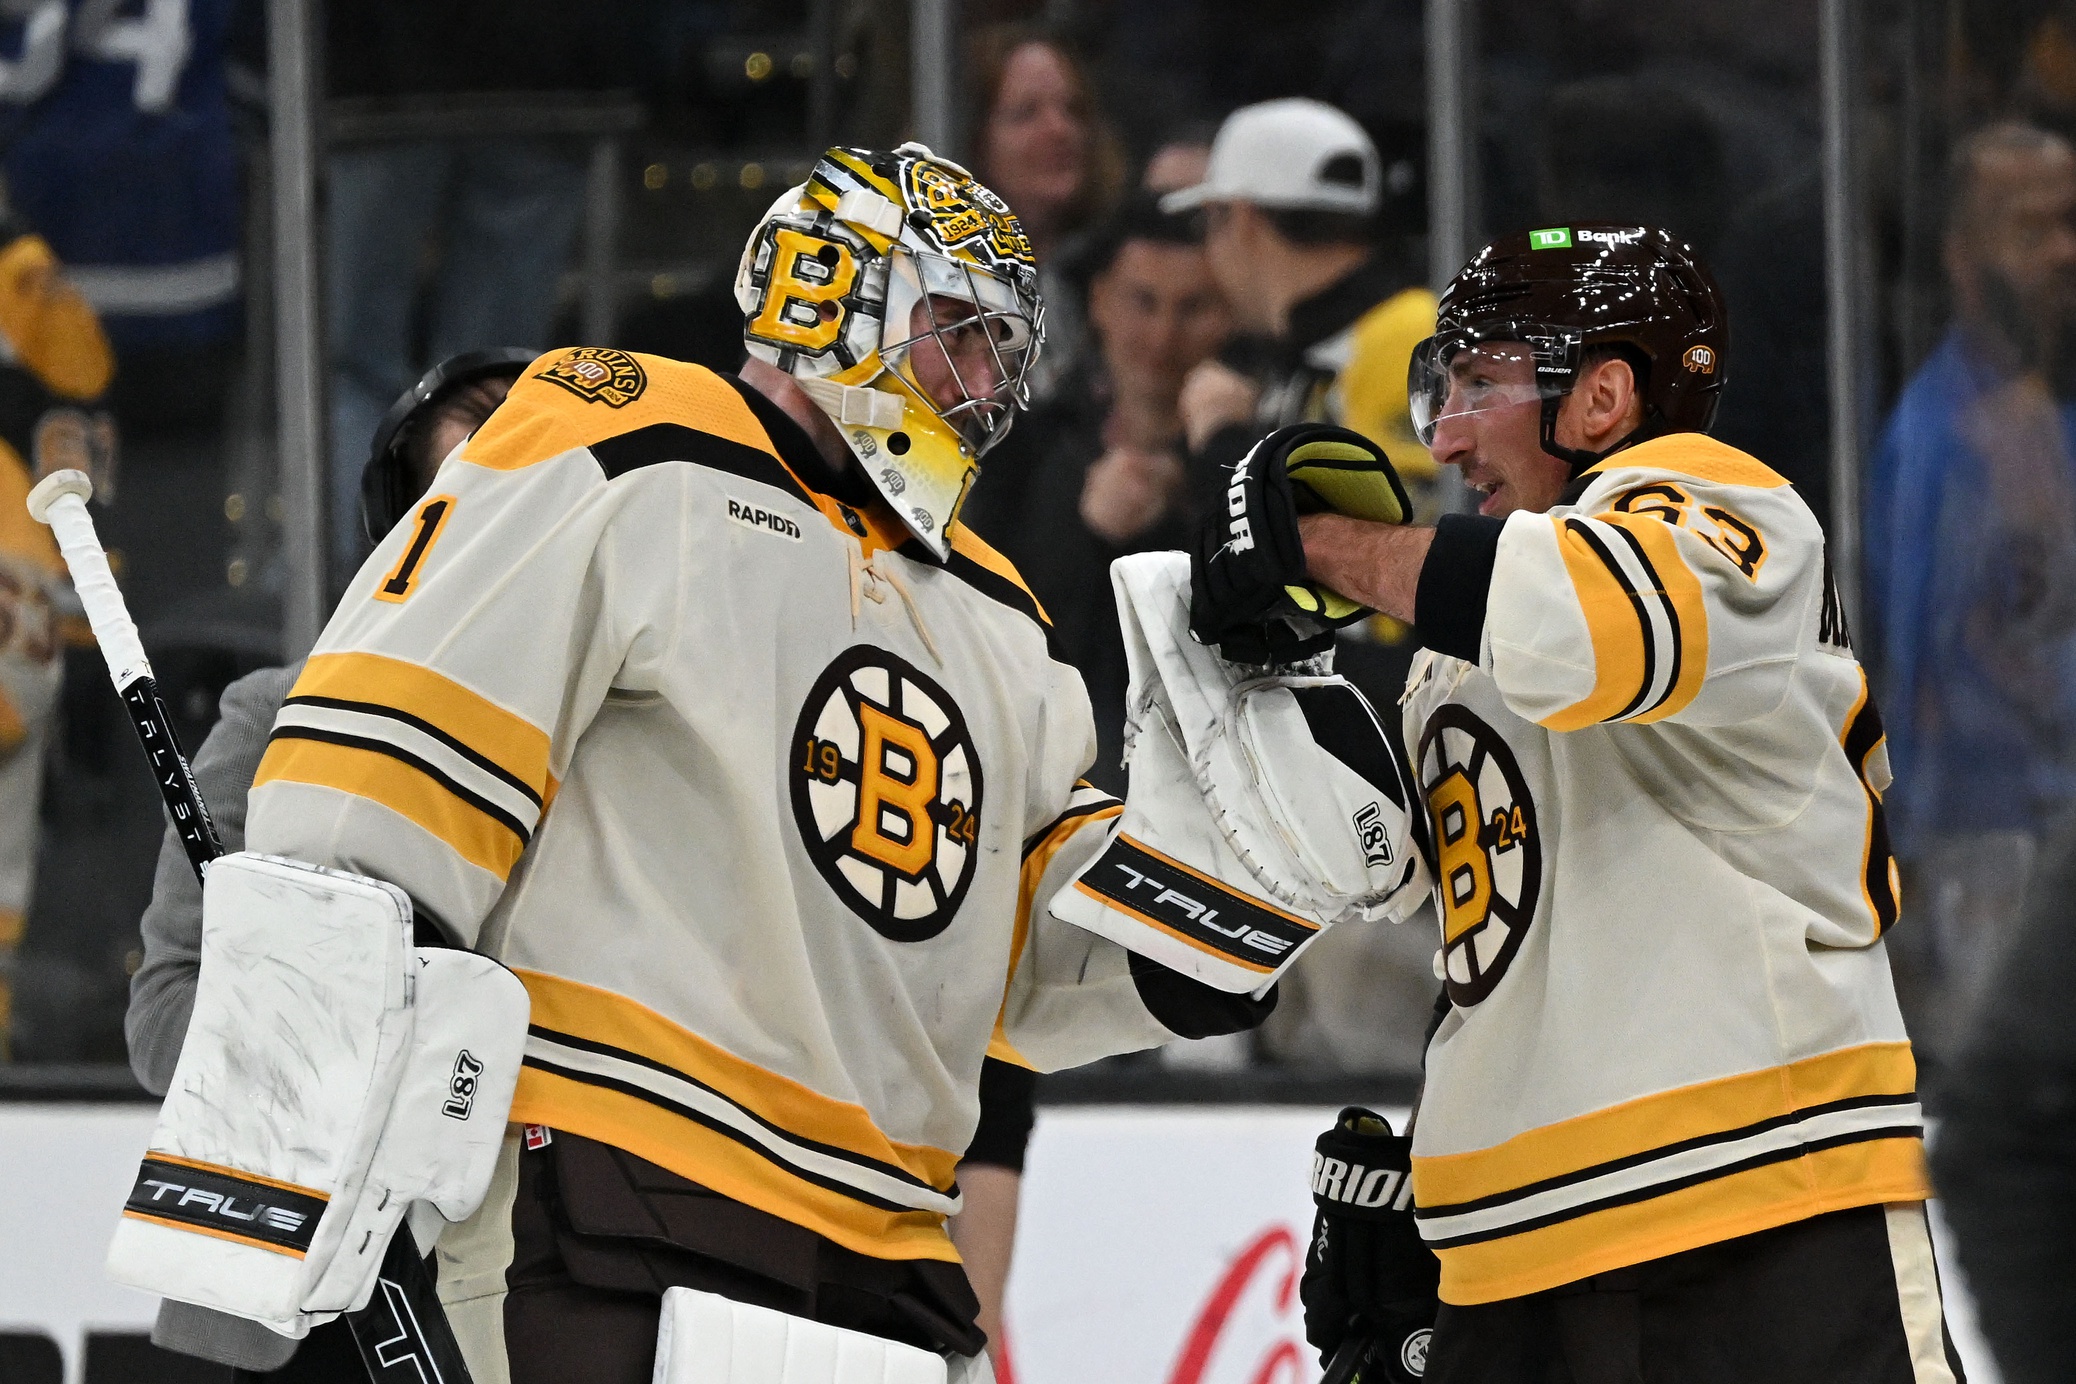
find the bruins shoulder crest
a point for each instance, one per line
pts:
(886, 791)
(599, 375)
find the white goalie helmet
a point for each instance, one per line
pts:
(903, 297)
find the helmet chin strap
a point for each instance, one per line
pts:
(1578, 458)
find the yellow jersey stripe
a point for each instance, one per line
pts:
(967, 543)
(595, 1015)
(1740, 1203)
(501, 741)
(1680, 589)
(1037, 856)
(1696, 455)
(1613, 624)
(1667, 1118)
(713, 1160)
(405, 788)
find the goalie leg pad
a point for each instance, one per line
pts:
(705, 1338)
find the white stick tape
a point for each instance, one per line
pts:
(59, 500)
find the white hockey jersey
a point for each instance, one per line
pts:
(754, 801)
(1663, 882)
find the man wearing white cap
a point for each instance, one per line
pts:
(1289, 200)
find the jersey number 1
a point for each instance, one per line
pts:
(425, 531)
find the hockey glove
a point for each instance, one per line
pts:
(1367, 1274)
(1250, 592)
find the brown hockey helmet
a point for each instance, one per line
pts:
(1564, 290)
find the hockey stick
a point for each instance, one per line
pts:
(403, 1334)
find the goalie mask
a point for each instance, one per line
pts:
(902, 296)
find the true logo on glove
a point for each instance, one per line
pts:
(1374, 836)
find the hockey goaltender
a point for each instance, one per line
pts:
(1670, 1129)
(689, 699)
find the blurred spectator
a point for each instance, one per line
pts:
(1040, 142)
(494, 216)
(1287, 198)
(57, 366)
(2004, 1158)
(1097, 472)
(116, 121)
(1971, 560)
(1178, 162)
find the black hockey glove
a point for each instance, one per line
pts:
(1249, 591)
(1368, 1278)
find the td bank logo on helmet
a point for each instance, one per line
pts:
(1564, 237)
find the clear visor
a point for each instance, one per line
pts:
(1452, 378)
(965, 339)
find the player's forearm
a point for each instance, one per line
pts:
(985, 1233)
(1377, 565)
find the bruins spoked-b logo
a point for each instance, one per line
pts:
(1488, 851)
(887, 792)
(599, 375)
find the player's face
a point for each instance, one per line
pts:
(1491, 428)
(955, 363)
(458, 415)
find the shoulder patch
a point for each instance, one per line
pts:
(599, 375)
(582, 396)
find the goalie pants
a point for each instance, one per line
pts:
(561, 1275)
(1851, 1297)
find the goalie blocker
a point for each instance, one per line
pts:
(333, 1078)
(1266, 804)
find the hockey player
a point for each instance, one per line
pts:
(1670, 1128)
(689, 698)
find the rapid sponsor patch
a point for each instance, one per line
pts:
(762, 520)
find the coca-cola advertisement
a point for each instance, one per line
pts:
(1163, 1246)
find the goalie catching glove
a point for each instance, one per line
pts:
(1251, 594)
(1262, 809)
(1368, 1276)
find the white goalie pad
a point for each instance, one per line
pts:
(332, 1074)
(708, 1339)
(1262, 808)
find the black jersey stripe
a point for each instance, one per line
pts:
(661, 442)
(430, 770)
(1643, 616)
(1037, 838)
(1648, 1156)
(1672, 617)
(1660, 1189)
(475, 757)
(726, 1131)
(570, 1040)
